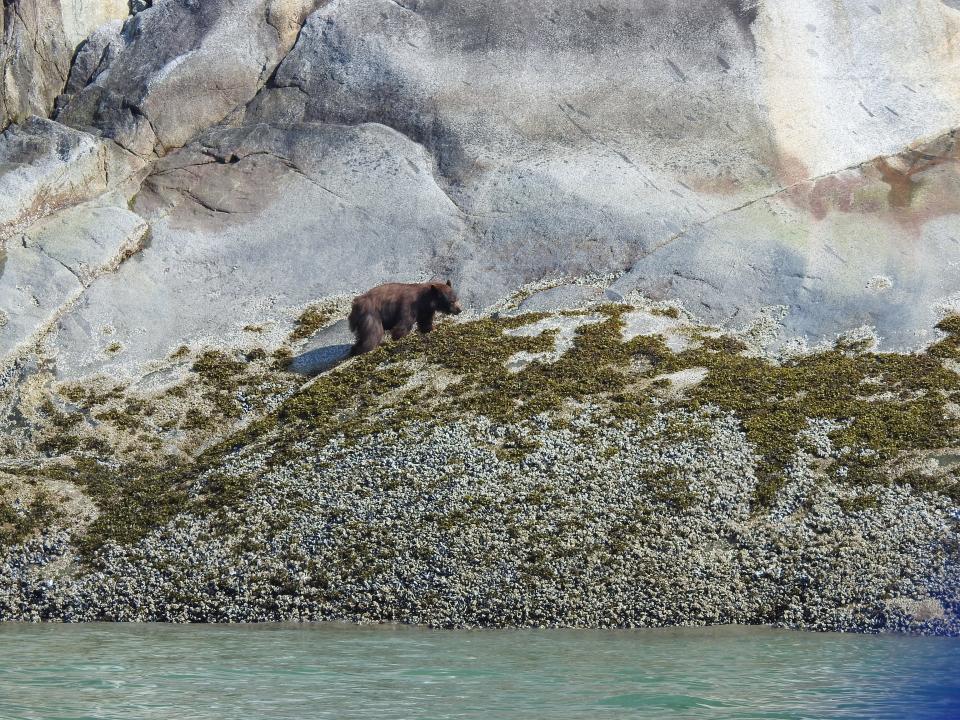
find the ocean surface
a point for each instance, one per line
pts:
(345, 671)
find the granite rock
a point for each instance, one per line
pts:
(34, 59)
(45, 166)
(184, 66)
(764, 165)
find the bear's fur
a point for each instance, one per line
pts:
(397, 307)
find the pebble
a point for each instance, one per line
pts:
(602, 524)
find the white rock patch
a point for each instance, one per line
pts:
(879, 283)
(685, 379)
(642, 322)
(566, 327)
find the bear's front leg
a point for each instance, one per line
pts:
(425, 322)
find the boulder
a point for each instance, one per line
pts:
(45, 166)
(92, 58)
(183, 66)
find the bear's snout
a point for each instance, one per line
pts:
(456, 309)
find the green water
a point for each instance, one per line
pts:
(339, 671)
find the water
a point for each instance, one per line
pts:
(341, 671)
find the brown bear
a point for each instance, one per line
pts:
(396, 307)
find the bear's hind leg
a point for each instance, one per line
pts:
(369, 332)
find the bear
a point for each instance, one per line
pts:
(397, 307)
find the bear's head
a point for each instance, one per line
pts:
(445, 299)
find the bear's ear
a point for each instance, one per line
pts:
(448, 284)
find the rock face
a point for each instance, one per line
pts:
(50, 265)
(712, 152)
(571, 164)
(39, 40)
(187, 181)
(536, 135)
(58, 231)
(34, 59)
(728, 155)
(875, 245)
(82, 17)
(228, 222)
(183, 66)
(845, 82)
(48, 166)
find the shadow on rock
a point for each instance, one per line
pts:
(328, 347)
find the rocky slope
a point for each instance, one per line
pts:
(188, 192)
(553, 468)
